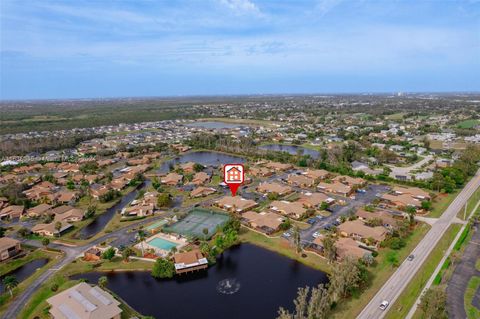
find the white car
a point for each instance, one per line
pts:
(384, 305)
(316, 234)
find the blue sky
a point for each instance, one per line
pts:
(74, 49)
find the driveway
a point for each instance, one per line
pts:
(461, 276)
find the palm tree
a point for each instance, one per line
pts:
(126, 253)
(10, 282)
(296, 239)
(45, 242)
(141, 236)
(173, 250)
(103, 281)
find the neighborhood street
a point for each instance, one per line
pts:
(392, 289)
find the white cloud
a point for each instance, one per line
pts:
(241, 6)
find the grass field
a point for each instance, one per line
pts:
(410, 294)
(470, 309)
(441, 202)
(468, 123)
(477, 264)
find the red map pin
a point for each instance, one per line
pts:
(233, 176)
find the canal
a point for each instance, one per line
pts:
(25, 271)
(291, 149)
(247, 282)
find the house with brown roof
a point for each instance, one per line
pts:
(266, 188)
(71, 215)
(357, 230)
(265, 222)
(260, 171)
(200, 178)
(188, 167)
(97, 190)
(300, 180)
(317, 174)
(292, 209)
(66, 197)
(12, 211)
(350, 181)
(401, 201)
(119, 183)
(50, 230)
(335, 188)
(38, 210)
(172, 179)
(139, 210)
(414, 192)
(83, 301)
(387, 219)
(9, 248)
(92, 254)
(312, 200)
(189, 261)
(202, 191)
(279, 167)
(235, 204)
(347, 247)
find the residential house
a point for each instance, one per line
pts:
(188, 167)
(335, 188)
(50, 230)
(172, 179)
(311, 200)
(235, 204)
(202, 191)
(300, 180)
(38, 210)
(189, 261)
(414, 192)
(348, 247)
(92, 254)
(266, 188)
(292, 209)
(387, 219)
(71, 215)
(317, 174)
(12, 211)
(260, 171)
(83, 301)
(350, 181)
(279, 167)
(265, 222)
(401, 201)
(98, 190)
(139, 210)
(356, 229)
(200, 178)
(9, 248)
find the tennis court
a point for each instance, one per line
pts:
(196, 221)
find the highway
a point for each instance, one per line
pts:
(395, 285)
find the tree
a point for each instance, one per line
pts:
(433, 304)
(205, 232)
(10, 282)
(296, 239)
(58, 227)
(426, 205)
(141, 236)
(109, 253)
(2, 231)
(392, 258)
(272, 196)
(329, 248)
(90, 211)
(45, 242)
(411, 211)
(164, 200)
(103, 281)
(309, 305)
(163, 268)
(197, 167)
(345, 278)
(126, 253)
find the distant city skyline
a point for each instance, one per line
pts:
(95, 49)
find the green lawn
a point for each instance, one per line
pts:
(477, 264)
(36, 305)
(471, 310)
(408, 297)
(441, 202)
(468, 123)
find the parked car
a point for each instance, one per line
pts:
(361, 191)
(286, 235)
(384, 305)
(316, 234)
(319, 217)
(312, 220)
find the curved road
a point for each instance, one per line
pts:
(394, 286)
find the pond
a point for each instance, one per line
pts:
(102, 220)
(291, 149)
(247, 282)
(214, 125)
(25, 271)
(206, 158)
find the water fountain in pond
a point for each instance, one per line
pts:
(228, 286)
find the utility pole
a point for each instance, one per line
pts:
(465, 213)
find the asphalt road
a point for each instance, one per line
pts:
(394, 286)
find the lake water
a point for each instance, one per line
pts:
(291, 149)
(214, 125)
(102, 220)
(25, 271)
(247, 282)
(206, 158)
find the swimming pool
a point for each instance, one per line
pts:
(162, 243)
